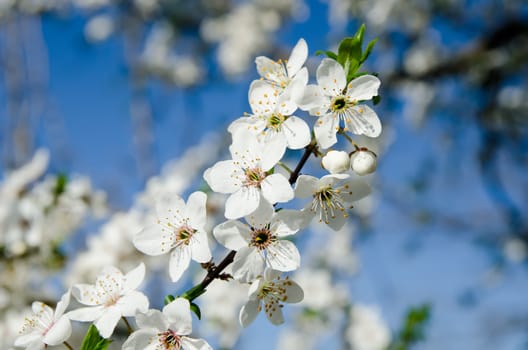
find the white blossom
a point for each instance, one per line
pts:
(336, 162)
(363, 162)
(271, 290)
(180, 230)
(113, 296)
(367, 329)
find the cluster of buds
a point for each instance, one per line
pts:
(362, 161)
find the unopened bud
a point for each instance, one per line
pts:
(364, 162)
(336, 162)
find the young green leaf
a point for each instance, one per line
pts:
(196, 310)
(94, 341)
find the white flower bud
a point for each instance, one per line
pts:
(364, 162)
(336, 162)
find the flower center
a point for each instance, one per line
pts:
(338, 104)
(254, 177)
(328, 202)
(170, 340)
(184, 234)
(275, 121)
(262, 238)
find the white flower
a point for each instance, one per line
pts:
(272, 117)
(260, 243)
(333, 100)
(165, 330)
(286, 75)
(246, 177)
(113, 296)
(336, 162)
(363, 162)
(46, 327)
(272, 290)
(367, 330)
(180, 229)
(332, 196)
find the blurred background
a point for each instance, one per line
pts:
(106, 105)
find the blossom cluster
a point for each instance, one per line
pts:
(261, 222)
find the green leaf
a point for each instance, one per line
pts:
(94, 341)
(367, 52)
(413, 330)
(359, 34)
(196, 310)
(168, 299)
(349, 54)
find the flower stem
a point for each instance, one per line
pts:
(341, 132)
(285, 167)
(68, 345)
(129, 328)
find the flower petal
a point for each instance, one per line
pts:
(250, 123)
(178, 313)
(242, 202)
(269, 69)
(152, 319)
(26, 340)
(248, 264)
(62, 304)
(297, 57)
(283, 256)
(223, 177)
(149, 240)
(194, 344)
(132, 302)
(272, 152)
(86, 314)
(261, 216)
(142, 340)
(325, 130)
(195, 209)
(108, 321)
(363, 88)
(357, 189)
(275, 315)
(249, 312)
(297, 132)
(134, 278)
(179, 262)
(363, 121)
(232, 234)
(262, 98)
(313, 97)
(276, 188)
(294, 292)
(306, 186)
(331, 77)
(60, 331)
(200, 251)
(287, 222)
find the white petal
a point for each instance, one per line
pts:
(270, 274)
(248, 264)
(285, 104)
(269, 69)
(364, 87)
(194, 344)
(249, 312)
(152, 319)
(297, 132)
(276, 188)
(86, 314)
(232, 234)
(297, 86)
(253, 124)
(262, 98)
(149, 240)
(287, 222)
(142, 340)
(132, 302)
(297, 57)
(62, 305)
(195, 209)
(272, 153)
(294, 292)
(241, 203)
(357, 189)
(313, 97)
(222, 177)
(178, 313)
(166, 206)
(363, 121)
(283, 256)
(59, 333)
(179, 262)
(134, 278)
(261, 216)
(306, 186)
(325, 130)
(337, 222)
(26, 340)
(200, 251)
(275, 315)
(331, 77)
(108, 321)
